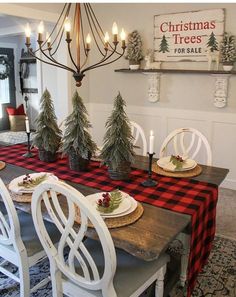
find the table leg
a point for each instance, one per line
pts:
(159, 289)
(185, 239)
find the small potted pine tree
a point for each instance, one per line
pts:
(117, 151)
(47, 136)
(134, 50)
(228, 51)
(77, 143)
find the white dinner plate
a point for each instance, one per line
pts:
(127, 205)
(14, 187)
(165, 164)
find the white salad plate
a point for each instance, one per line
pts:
(127, 205)
(165, 164)
(14, 187)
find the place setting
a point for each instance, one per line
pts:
(22, 187)
(117, 208)
(177, 166)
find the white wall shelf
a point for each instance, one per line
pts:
(154, 77)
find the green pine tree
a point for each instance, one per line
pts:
(76, 137)
(134, 47)
(212, 43)
(118, 140)
(163, 45)
(47, 135)
(227, 49)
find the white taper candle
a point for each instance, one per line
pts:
(151, 142)
(27, 126)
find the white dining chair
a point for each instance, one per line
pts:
(139, 136)
(19, 243)
(187, 142)
(91, 267)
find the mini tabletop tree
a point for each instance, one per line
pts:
(77, 142)
(134, 48)
(227, 50)
(48, 135)
(117, 151)
(163, 45)
(212, 43)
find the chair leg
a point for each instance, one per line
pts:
(159, 288)
(24, 279)
(56, 280)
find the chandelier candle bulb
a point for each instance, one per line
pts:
(122, 37)
(27, 34)
(106, 40)
(40, 32)
(151, 142)
(67, 27)
(115, 32)
(88, 41)
(27, 125)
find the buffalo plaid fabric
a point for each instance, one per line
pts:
(191, 197)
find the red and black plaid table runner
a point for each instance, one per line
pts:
(197, 199)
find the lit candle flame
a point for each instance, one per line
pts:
(67, 25)
(27, 30)
(41, 28)
(88, 39)
(114, 29)
(106, 37)
(122, 34)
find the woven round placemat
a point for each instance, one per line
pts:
(119, 221)
(2, 165)
(21, 198)
(189, 173)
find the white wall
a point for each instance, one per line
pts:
(185, 99)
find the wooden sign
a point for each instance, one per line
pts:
(187, 36)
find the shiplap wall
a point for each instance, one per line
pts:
(220, 132)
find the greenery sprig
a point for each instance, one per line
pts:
(109, 202)
(177, 161)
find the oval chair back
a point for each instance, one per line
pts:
(138, 133)
(187, 142)
(88, 276)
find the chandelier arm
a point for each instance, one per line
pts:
(95, 18)
(82, 34)
(95, 25)
(92, 31)
(104, 64)
(85, 62)
(60, 32)
(54, 28)
(58, 63)
(111, 46)
(49, 63)
(101, 61)
(71, 58)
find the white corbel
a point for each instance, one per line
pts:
(221, 89)
(153, 86)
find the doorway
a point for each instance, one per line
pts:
(7, 89)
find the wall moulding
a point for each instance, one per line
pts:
(154, 82)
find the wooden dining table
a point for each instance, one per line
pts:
(149, 236)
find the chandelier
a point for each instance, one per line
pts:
(82, 14)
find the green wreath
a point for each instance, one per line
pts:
(5, 67)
